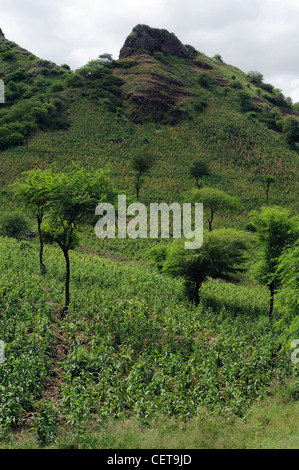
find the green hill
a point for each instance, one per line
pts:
(132, 346)
(178, 108)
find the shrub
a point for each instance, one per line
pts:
(57, 86)
(218, 57)
(13, 224)
(205, 80)
(9, 55)
(291, 131)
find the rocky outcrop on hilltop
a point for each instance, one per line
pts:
(147, 40)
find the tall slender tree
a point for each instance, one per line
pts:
(141, 164)
(276, 231)
(72, 196)
(214, 200)
(32, 191)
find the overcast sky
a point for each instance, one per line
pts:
(260, 35)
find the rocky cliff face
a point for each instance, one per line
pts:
(1, 33)
(145, 39)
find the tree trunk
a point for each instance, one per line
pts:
(197, 287)
(211, 220)
(41, 246)
(67, 283)
(271, 287)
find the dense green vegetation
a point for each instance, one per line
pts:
(132, 349)
(136, 347)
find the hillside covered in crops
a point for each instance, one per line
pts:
(134, 352)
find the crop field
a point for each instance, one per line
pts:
(130, 347)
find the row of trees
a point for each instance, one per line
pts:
(59, 202)
(224, 253)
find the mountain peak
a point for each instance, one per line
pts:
(147, 40)
(1, 33)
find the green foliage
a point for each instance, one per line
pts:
(13, 224)
(46, 423)
(9, 55)
(135, 348)
(214, 200)
(157, 256)
(197, 169)
(71, 196)
(222, 253)
(74, 80)
(218, 58)
(288, 294)
(9, 138)
(268, 180)
(291, 131)
(56, 87)
(205, 80)
(245, 101)
(277, 230)
(141, 164)
(255, 77)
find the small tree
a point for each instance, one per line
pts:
(197, 169)
(276, 231)
(28, 129)
(32, 190)
(141, 164)
(222, 253)
(290, 131)
(214, 200)
(72, 196)
(218, 57)
(255, 77)
(106, 59)
(268, 180)
(288, 293)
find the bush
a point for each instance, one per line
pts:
(14, 224)
(74, 80)
(255, 77)
(205, 80)
(57, 86)
(9, 55)
(218, 57)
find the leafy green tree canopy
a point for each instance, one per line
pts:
(276, 231)
(222, 253)
(71, 196)
(288, 294)
(197, 169)
(214, 200)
